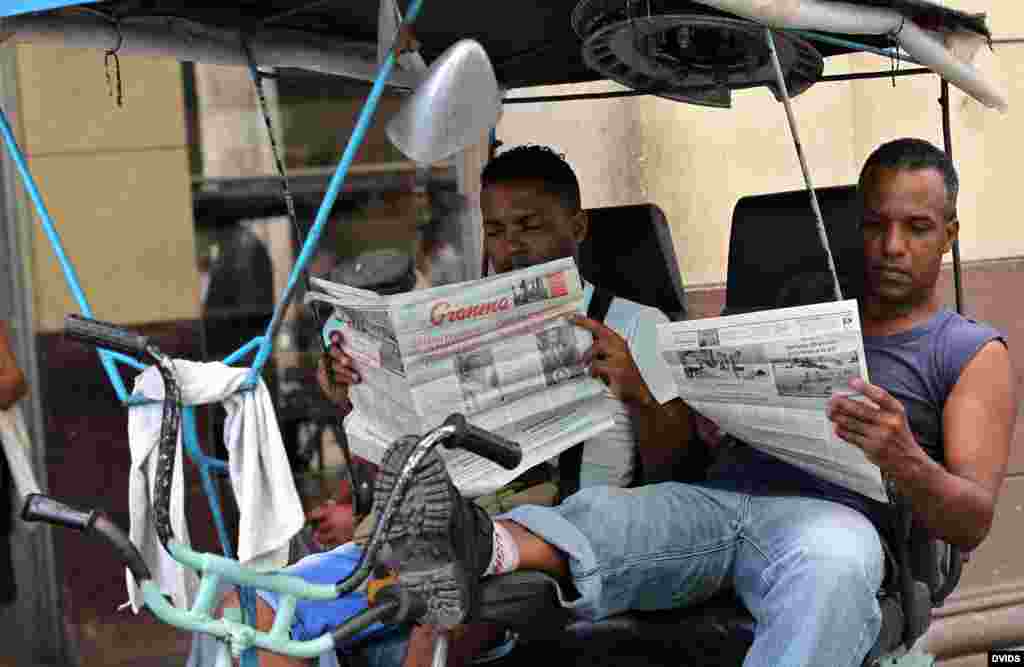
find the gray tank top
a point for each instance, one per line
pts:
(919, 367)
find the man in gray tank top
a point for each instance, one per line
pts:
(945, 417)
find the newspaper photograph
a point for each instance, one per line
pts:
(499, 350)
(766, 378)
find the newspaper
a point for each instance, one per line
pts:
(499, 350)
(766, 378)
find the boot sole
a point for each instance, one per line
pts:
(420, 536)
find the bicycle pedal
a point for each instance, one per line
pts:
(378, 583)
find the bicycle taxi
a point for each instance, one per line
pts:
(690, 52)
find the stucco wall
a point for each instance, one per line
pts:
(696, 162)
(116, 182)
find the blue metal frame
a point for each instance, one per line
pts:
(337, 180)
(15, 7)
(893, 52)
(262, 344)
(70, 276)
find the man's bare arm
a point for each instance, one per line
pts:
(12, 380)
(957, 503)
(664, 432)
(666, 440)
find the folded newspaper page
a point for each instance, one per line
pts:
(766, 378)
(499, 350)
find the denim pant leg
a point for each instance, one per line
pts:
(809, 571)
(387, 651)
(653, 547)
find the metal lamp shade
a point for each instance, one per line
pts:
(452, 109)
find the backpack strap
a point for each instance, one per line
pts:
(571, 460)
(600, 301)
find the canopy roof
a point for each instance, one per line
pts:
(531, 42)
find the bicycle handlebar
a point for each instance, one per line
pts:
(109, 336)
(483, 443)
(39, 507)
(394, 604)
(105, 335)
(50, 510)
(398, 605)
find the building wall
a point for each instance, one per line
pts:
(986, 143)
(696, 162)
(116, 182)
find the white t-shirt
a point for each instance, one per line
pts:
(609, 459)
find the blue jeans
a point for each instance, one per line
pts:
(807, 569)
(388, 651)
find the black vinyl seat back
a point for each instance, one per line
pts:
(774, 237)
(629, 252)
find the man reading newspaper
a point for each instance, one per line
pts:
(804, 557)
(532, 215)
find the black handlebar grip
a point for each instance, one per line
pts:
(104, 334)
(50, 510)
(483, 443)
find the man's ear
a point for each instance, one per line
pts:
(952, 234)
(580, 225)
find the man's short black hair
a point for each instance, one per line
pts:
(536, 163)
(909, 154)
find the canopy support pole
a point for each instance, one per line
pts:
(784, 93)
(947, 142)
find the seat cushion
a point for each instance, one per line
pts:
(716, 632)
(525, 600)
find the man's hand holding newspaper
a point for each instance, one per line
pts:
(767, 377)
(502, 350)
(881, 430)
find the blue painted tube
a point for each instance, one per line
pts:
(829, 39)
(206, 597)
(196, 454)
(247, 601)
(128, 361)
(190, 439)
(232, 571)
(215, 464)
(362, 125)
(51, 232)
(137, 400)
(225, 627)
(241, 352)
(24, 6)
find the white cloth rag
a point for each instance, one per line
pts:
(17, 449)
(270, 511)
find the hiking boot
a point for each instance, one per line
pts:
(440, 542)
